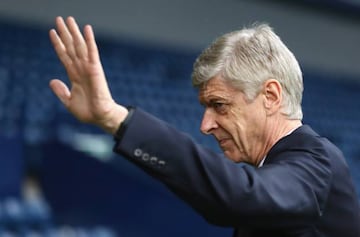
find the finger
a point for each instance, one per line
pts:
(79, 42)
(66, 37)
(61, 91)
(59, 48)
(93, 52)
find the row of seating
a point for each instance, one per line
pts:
(156, 80)
(60, 231)
(16, 213)
(33, 218)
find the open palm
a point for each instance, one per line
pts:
(89, 98)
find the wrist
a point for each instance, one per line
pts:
(122, 127)
(118, 115)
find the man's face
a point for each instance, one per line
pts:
(237, 124)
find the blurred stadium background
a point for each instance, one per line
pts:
(60, 177)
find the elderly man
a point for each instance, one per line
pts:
(294, 183)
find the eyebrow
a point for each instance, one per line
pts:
(211, 101)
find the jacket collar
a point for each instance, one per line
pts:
(298, 137)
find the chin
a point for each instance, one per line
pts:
(232, 157)
(237, 156)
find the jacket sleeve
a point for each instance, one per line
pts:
(292, 191)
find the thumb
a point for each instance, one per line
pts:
(61, 91)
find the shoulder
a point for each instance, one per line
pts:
(304, 142)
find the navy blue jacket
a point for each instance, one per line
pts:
(304, 188)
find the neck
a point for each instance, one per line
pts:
(277, 131)
(291, 125)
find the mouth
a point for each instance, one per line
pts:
(223, 141)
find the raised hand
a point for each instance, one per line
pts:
(89, 98)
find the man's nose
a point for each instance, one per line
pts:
(208, 122)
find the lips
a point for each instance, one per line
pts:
(223, 141)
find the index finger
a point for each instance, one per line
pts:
(59, 47)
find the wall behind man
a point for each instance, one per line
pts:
(320, 40)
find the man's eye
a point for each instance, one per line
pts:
(218, 105)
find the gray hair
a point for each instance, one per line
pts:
(247, 58)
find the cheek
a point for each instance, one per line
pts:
(243, 131)
(238, 125)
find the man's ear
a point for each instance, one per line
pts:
(272, 91)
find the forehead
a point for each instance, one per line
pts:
(216, 87)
